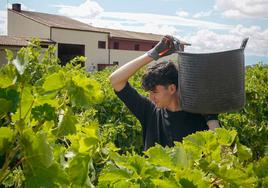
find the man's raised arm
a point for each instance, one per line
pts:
(120, 77)
(165, 47)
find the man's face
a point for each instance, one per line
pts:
(162, 96)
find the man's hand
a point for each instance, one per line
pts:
(213, 124)
(166, 46)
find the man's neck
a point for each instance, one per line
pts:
(174, 105)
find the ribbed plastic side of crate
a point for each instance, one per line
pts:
(212, 82)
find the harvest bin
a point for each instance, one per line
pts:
(212, 83)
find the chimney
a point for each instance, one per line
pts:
(16, 7)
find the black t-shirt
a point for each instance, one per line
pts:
(160, 125)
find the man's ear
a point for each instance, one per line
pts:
(172, 88)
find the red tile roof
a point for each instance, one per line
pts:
(19, 41)
(64, 22)
(57, 21)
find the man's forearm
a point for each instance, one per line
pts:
(120, 77)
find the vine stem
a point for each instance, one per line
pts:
(29, 110)
(5, 171)
(22, 88)
(64, 99)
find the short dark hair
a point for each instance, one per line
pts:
(164, 73)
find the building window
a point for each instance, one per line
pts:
(153, 46)
(115, 63)
(137, 47)
(102, 44)
(116, 45)
(66, 52)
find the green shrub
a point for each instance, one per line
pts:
(59, 127)
(251, 122)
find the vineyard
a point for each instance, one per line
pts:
(64, 127)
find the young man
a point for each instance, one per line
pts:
(161, 116)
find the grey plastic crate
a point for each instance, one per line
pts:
(212, 82)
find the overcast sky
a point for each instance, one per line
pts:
(209, 25)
